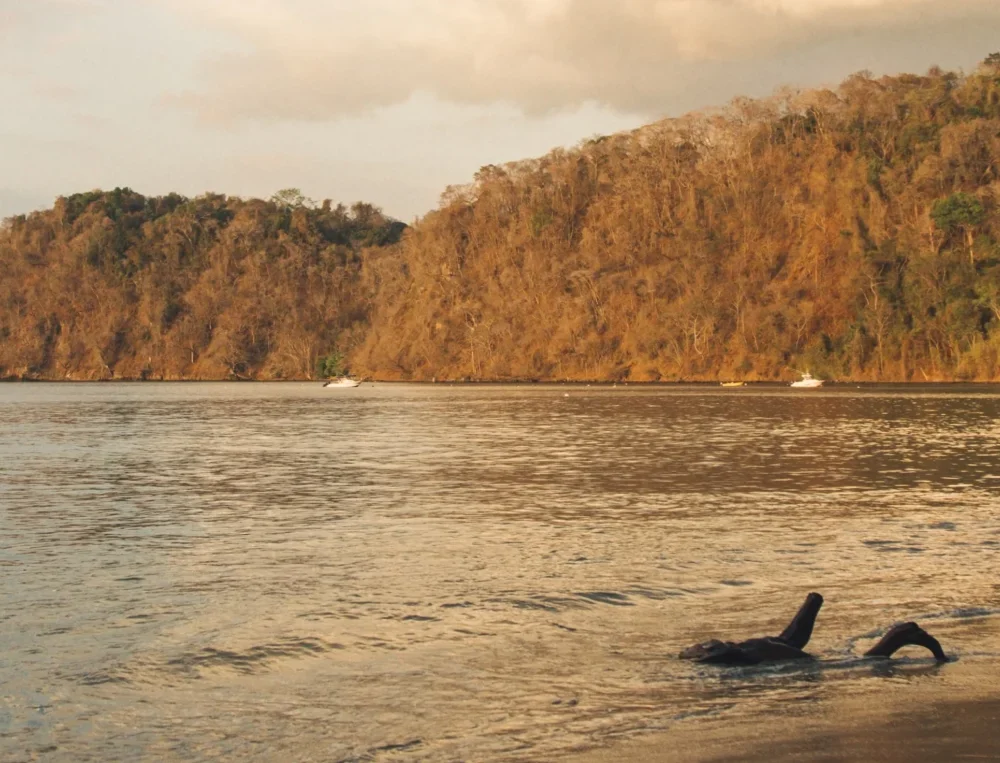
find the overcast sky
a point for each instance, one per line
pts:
(390, 101)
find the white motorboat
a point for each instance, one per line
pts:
(807, 382)
(341, 383)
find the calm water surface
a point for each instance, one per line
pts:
(395, 572)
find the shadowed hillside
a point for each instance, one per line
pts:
(851, 232)
(117, 285)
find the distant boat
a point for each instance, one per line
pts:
(341, 383)
(734, 384)
(807, 382)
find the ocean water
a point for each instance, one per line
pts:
(431, 572)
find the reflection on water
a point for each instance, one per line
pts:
(430, 572)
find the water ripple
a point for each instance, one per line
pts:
(429, 572)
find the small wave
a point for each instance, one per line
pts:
(607, 597)
(656, 594)
(374, 752)
(541, 603)
(399, 747)
(255, 658)
(892, 546)
(702, 712)
(962, 613)
(98, 677)
(529, 604)
(950, 526)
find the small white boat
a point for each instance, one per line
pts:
(733, 384)
(807, 382)
(341, 383)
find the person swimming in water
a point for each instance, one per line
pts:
(790, 644)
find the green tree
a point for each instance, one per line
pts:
(330, 365)
(292, 198)
(960, 211)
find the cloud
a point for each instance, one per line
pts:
(324, 59)
(40, 21)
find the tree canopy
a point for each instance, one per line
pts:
(853, 232)
(118, 285)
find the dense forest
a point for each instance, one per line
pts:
(852, 232)
(117, 285)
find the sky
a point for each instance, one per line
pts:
(391, 101)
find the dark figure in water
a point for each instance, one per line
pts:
(791, 642)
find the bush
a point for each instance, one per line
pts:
(331, 365)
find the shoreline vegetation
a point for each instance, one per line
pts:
(714, 385)
(853, 232)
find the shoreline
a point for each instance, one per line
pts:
(510, 382)
(894, 724)
(955, 731)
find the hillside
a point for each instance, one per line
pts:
(852, 232)
(117, 285)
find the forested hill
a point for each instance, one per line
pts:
(117, 285)
(851, 232)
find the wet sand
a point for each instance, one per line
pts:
(914, 720)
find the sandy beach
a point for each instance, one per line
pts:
(916, 715)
